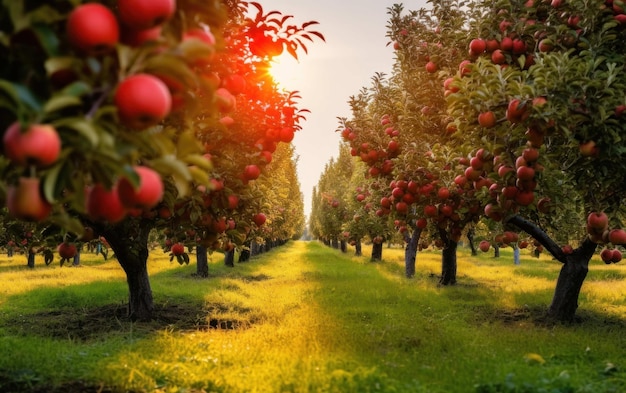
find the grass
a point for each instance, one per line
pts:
(307, 318)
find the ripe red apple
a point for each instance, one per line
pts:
(484, 246)
(598, 221)
(516, 111)
(142, 101)
(616, 255)
(104, 205)
(67, 250)
(145, 14)
(233, 201)
(251, 172)
(606, 255)
(497, 57)
(477, 46)
(530, 155)
(443, 193)
(421, 223)
(178, 249)
(431, 67)
(92, 28)
(567, 249)
(147, 193)
(259, 219)
(26, 202)
(430, 210)
(617, 236)
(525, 173)
(524, 198)
(402, 208)
(39, 145)
(487, 119)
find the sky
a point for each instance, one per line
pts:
(355, 49)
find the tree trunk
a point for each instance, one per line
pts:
(410, 252)
(573, 273)
(343, 246)
(448, 263)
(30, 258)
(244, 256)
(76, 261)
(470, 238)
(229, 258)
(335, 243)
(129, 241)
(496, 250)
(377, 251)
(516, 260)
(202, 261)
(357, 248)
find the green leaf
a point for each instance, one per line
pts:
(187, 144)
(52, 182)
(59, 102)
(47, 38)
(83, 127)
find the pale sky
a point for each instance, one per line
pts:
(354, 51)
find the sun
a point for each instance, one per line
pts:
(283, 70)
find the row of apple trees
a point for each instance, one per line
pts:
(122, 117)
(505, 115)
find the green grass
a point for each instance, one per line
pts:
(307, 318)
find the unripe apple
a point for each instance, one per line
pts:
(92, 28)
(145, 14)
(39, 145)
(148, 192)
(142, 101)
(26, 202)
(104, 205)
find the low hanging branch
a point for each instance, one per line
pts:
(537, 233)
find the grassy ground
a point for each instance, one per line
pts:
(306, 318)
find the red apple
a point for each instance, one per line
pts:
(178, 249)
(616, 255)
(235, 83)
(251, 172)
(25, 200)
(588, 149)
(92, 28)
(147, 193)
(487, 119)
(617, 236)
(259, 219)
(606, 255)
(484, 246)
(567, 249)
(133, 37)
(142, 101)
(598, 221)
(104, 205)
(477, 46)
(145, 14)
(39, 145)
(67, 250)
(431, 67)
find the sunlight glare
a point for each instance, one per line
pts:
(284, 71)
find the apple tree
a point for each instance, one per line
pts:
(118, 120)
(552, 75)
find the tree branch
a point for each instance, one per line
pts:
(539, 235)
